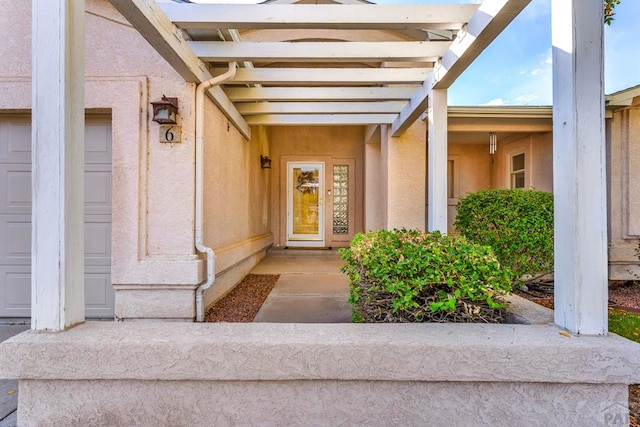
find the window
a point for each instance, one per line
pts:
(517, 171)
(340, 199)
(450, 178)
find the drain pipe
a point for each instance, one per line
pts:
(199, 196)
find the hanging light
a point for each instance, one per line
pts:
(165, 111)
(493, 142)
(265, 162)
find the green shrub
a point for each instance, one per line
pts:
(517, 224)
(410, 276)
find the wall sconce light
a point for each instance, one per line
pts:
(165, 111)
(493, 142)
(265, 162)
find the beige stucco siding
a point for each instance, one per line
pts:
(623, 135)
(471, 172)
(538, 151)
(406, 178)
(155, 268)
(327, 144)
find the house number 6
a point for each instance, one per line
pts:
(170, 133)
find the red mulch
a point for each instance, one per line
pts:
(244, 301)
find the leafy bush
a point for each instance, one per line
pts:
(517, 224)
(410, 276)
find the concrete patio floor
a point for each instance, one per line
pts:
(311, 288)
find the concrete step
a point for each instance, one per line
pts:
(296, 252)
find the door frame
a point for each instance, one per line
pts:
(319, 240)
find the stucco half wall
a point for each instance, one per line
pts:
(162, 373)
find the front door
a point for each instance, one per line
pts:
(305, 207)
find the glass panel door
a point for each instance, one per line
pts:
(305, 210)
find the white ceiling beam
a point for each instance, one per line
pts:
(320, 119)
(318, 76)
(319, 51)
(490, 19)
(320, 16)
(167, 40)
(238, 94)
(255, 108)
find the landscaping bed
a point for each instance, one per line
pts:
(243, 302)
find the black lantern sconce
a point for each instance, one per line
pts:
(265, 162)
(165, 111)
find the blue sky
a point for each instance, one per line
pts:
(516, 68)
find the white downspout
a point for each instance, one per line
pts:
(199, 196)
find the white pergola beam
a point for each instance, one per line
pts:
(57, 238)
(579, 167)
(319, 16)
(490, 19)
(255, 108)
(320, 119)
(238, 94)
(319, 51)
(337, 76)
(151, 22)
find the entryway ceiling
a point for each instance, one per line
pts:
(321, 62)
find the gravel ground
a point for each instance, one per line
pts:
(244, 301)
(625, 294)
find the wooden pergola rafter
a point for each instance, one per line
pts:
(304, 81)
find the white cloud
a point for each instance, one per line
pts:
(537, 71)
(494, 102)
(526, 99)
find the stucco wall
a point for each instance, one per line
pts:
(236, 200)
(475, 169)
(623, 135)
(154, 267)
(538, 151)
(471, 172)
(406, 178)
(373, 190)
(313, 143)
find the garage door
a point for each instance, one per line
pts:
(15, 217)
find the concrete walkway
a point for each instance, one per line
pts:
(311, 288)
(9, 388)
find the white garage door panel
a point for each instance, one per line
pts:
(15, 189)
(16, 235)
(17, 137)
(97, 243)
(16, 292)
(97, 144)
(96, 285)
(15, 218)
(97, 192)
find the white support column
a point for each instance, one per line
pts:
(57, 271)
(437, 161)
(579, 167)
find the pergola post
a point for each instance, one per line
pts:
(57, 271)
(437, 161)
(579, 167)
